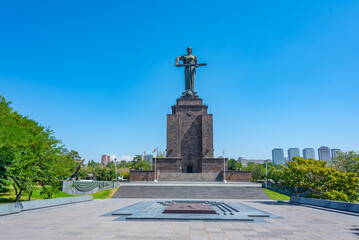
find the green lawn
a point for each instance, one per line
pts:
(104, 194)
(276, 196)
(8, 195)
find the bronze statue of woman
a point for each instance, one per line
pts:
(190, 69)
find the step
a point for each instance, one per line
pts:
(190, 177)
(170, 191)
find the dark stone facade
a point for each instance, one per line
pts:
(138, 175)
(189, 130)
(238, 176)
(190, 139)
(168, 164)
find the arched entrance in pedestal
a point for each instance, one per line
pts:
(189, 169)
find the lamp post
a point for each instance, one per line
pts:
(224, 168)
(115, 169)
(266, 173)
(155, 166)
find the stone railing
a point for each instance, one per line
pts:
(86, 187)
(343, 206)
(10, 208)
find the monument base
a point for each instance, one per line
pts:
(163, 176)
(202, 165)
(190, 208)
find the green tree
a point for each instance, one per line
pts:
(322, 181)
(137, 158)
(93, 164)
(101, 173)
(233, 164)
(143, 165)
(82, 174)
(275, 172)
(110, 165)
(347, 162)
(29, 153)
(258, 172)
(124, 164)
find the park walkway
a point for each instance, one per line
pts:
(91, 220)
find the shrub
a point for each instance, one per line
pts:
(322, 181)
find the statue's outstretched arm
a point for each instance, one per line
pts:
(195, 60)
(177, 59)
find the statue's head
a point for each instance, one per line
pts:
(189, 50)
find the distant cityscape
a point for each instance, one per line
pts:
(324, 154)
(107, 158)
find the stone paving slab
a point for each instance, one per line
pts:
(89, 221)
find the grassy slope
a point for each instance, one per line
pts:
(9, 195)
(276, 196)
(104, 194)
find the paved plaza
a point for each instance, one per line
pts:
(93, 220)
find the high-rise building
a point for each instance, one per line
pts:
(148, 157)
(324, 153)
(293, 152)
(278, 156)
(308, 153)
(105, 159)
(335, 152)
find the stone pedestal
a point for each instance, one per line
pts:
(190, 133)
(189, 141)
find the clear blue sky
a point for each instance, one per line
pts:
(100, 74)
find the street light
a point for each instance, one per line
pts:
(115, 159)
(266, 184)
(224, 168)
(155, 166)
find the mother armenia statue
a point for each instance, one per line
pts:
(190, 63)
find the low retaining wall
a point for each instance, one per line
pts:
(238, 176)
(87, 187)
(231, 176)
(10, 208)
(344, 206)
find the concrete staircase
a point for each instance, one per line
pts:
(189, 177)
(190, 191)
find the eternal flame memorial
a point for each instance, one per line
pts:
(190, 139)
